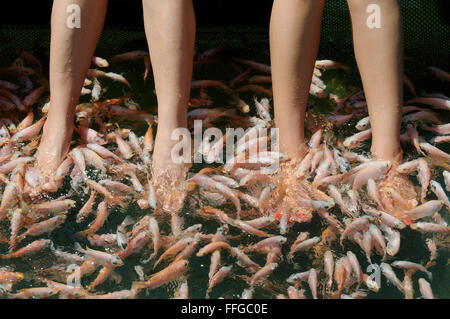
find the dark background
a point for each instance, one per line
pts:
(239, 24)
(128, 13)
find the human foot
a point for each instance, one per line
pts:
(168, 175)
(396, 190)
(55, 144)
(292, 195)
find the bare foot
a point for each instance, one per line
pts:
(284, 202)
(396, 190)
(168, 176)
(55, 144)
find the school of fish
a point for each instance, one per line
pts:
(361, 214)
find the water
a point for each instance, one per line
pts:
(413, 246)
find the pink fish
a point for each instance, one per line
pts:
(374, 170)
(424, 210)
(424, 176)
(29, 132)
(88, 135)
(355, 140)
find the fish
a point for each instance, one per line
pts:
(358, 224)
(34, 293)
(29, 132)
(100, 257)
(245, 261)
(374, 170)
(100, 62)
(308, 243)
(424, 176)
(263, 272)
(315, 204)
(102, 215)
(174, 249)
(424, 210)
(209, 183)
(385, 218)
(410, 265)
(440, 193)
(122, 294)
(389, 273)
(16, 225)
(435, 152)
(256, 65)
(425, 227)
(354, 263)
(425, 289)
(367, 245)
(330, 65)
(154, 229)
(218, 277)
(53, 207)
(213, 247)
(328, 265)
(168, 274)
(268, 242)
(363, 124)
(355, 140)
(313, 282)
(43, 227)
(29, 249)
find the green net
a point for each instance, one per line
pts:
(427, 37)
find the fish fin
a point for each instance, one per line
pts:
(79, 248)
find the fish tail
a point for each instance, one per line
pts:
(139, 285)
(79, 248)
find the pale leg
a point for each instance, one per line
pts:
(379, 53)
(70, 56)
(294, 42)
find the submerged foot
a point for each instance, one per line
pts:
(55, 144)
(168, 176)
(285, 204)
(396, 190)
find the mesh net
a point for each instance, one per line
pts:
(427, 35)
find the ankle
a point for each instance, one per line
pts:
(395, 155)
(295, 152)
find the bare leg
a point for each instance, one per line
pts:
(379, 54)
(294, 43)
(170, 27)
(70, 56)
